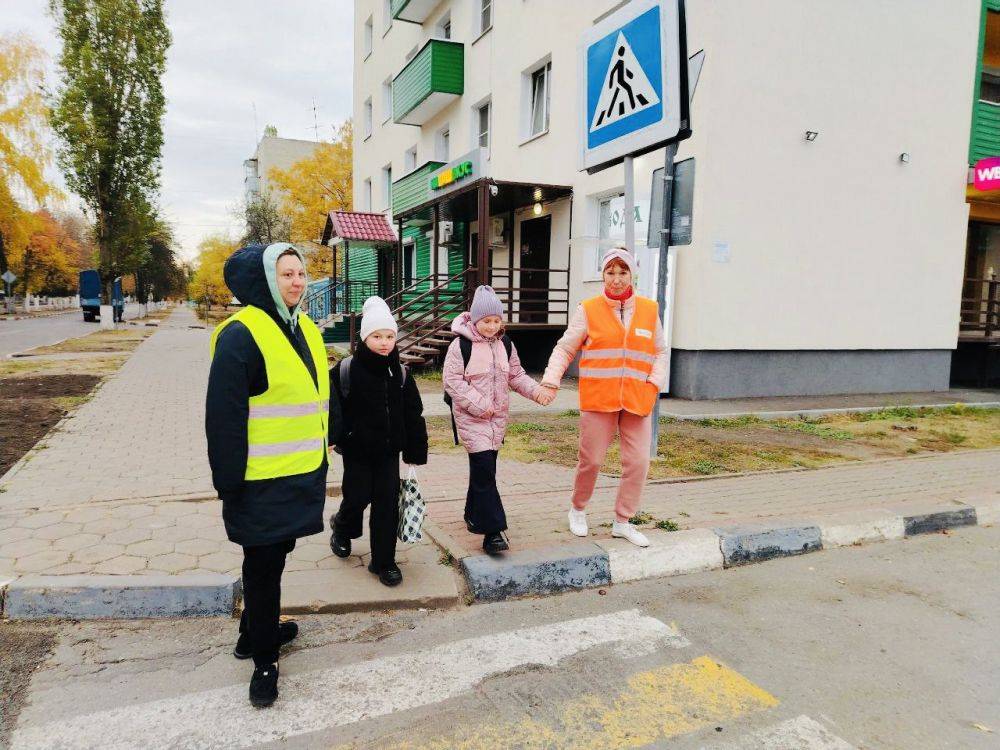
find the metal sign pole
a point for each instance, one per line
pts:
(662, 272)
(629, 209)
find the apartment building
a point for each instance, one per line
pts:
(827, 165)
(272, 152)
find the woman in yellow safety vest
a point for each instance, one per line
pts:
(268, 420)
(623, 368)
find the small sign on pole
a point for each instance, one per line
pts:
(9, 277)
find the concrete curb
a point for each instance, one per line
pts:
(94, 597)
(581, 565)
(742, 545)
(545, 570)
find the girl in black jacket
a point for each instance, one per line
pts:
(382, 418)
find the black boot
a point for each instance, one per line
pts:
(389, 576)
(286, 634)
(494, 544)
(264, 686)
(340, 544)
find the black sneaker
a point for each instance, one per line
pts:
(494, 544)
(391, 576)
(341, 545)
(264, 686)
(286, 634)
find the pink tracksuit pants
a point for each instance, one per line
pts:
(597, 430)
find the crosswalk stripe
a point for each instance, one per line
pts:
(800, 733)
(657, 704)
(312, 701)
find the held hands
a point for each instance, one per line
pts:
(546, 395)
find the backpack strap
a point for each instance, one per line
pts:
(466, 346)
(508, 345)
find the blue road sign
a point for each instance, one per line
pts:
(631, 81)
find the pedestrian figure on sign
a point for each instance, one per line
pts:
(619, 81)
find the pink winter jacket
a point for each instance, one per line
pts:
(576, 336)
(480, 392)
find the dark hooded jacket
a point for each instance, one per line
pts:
(263, 511)
(383, 412)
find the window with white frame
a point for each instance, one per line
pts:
(483, 125)
(368, 117)
(485, 15)
(368, 37)
(443, 28)
(386, 15)
(410, 160)
(387, 187)
(443, 145)
(540, 93)
(366, 194)
(387, 99)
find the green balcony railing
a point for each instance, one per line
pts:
(414, 11)
(413, 189)
(985, 141)
(429, 82)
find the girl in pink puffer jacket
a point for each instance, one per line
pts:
(481, 405)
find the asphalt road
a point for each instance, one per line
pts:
(885, 646)
(27, 333)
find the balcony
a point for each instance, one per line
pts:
(414, 188)
(430, 82)
(414, 11)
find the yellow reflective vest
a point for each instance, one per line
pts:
(287, 425)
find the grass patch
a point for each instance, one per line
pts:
(427, 376)
(667, 525)
(117, 340)
(641, 518)
(722, 446)
(446, 559)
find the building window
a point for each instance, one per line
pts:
(387, 187)
(368, 117)
(410, 160)
(366, 195)
(443, 144)
(368, 37)
(483, 129)
(386, 100)
(386, 15)
(989, 86)
(540, 96)
(443, 28)
(485, 15)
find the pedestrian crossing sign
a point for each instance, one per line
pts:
(632, 72)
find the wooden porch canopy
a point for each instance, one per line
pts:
(478, 201)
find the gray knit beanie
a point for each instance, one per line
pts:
(485, 302)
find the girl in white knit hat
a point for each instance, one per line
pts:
(383, 417)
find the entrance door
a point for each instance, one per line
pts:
(385, 280)
(534, 264)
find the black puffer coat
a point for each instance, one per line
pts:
(382, 415)
(264, 511)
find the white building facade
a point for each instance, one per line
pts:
(822, 266)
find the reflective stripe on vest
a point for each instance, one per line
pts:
(287, 423)
(615, 364)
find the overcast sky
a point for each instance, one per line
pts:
(228, 56)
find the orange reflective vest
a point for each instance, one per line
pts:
(615, 363)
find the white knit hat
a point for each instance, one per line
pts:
(376, 316)
(619, 253)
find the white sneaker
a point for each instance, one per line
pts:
(578, 522)
(630, 532)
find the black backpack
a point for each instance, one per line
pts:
(466, 348)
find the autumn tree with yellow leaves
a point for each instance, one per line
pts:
(208, 287)
(310, 189)
(23, 155)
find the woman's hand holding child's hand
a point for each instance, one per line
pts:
(546, 395)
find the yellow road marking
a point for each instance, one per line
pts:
(657, 704)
